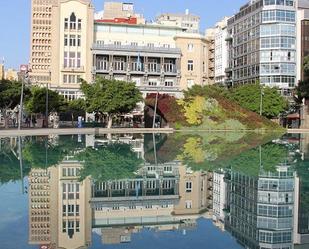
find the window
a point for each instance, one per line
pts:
(64, 212)
(78, 40)
(66, 23)
(72, 40)
(150, 45)
(188, 187)
(190, 65)
(64, 226)
(77, 210)
(169, 83)
(190, 47)
(73, 21)
(79, 24)
(77, 226)
(188, 204)
(70, 210)
(152, 82)
(65, 40)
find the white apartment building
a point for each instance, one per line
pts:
(221, 51)
(302, 24)
(219, 196)
(263, 44)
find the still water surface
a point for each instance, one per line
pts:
(203, 190)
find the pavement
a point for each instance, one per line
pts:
(76, 131)
(98, 131)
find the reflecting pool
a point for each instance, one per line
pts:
(181, 190)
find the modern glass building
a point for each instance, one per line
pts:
(262, 43)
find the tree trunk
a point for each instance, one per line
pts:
(6, 121)
(110, 121)
(72, 116)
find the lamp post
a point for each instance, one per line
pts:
(155, 111)
(261, 101)
(46, 106)
(20, 114)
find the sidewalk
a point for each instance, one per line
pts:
(75, 131)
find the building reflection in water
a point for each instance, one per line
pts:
(259, 210)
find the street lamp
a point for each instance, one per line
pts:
(20, 114)
(261, 101)
(46, 106)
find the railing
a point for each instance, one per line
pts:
(134, 68)
(72, 69)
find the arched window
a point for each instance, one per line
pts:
(72, 21)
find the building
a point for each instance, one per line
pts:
(219, 196)
(261, 208)
(144, 54)
(210, 37)
(119, 12)
(2, 73)
(263, 44)
(195, 190)
(186, 21)
(11, 74)
(194, 59)
(221, 51)
(73, 35)
(70, 43)
(41, 41)
(302, 36)
(39, 207)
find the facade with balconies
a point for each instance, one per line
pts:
(144, 54)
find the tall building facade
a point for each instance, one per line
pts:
(221, 51)
(71, 46)
(263, 44)
(41, 41)
(302, 36)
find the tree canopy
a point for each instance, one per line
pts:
(109, 162)
(249, 97)
(10, 92)
(111, 97)
(37, 102)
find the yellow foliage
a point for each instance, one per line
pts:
(194, 110)
(193, 149)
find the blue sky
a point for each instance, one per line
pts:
(15, 20)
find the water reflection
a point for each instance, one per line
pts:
(80, 187)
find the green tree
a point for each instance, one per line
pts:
(111, 97)
(37, 102)
(109, 162)
(306, 66)
(39, 152)
(249, 96)
(302, 91)
(76, 107)
(10, 97)
(9, 163)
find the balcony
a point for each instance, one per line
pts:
(80, 69)
(174, 52)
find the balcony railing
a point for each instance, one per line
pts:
(135, 68)
(73, 69)
(125, 48)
